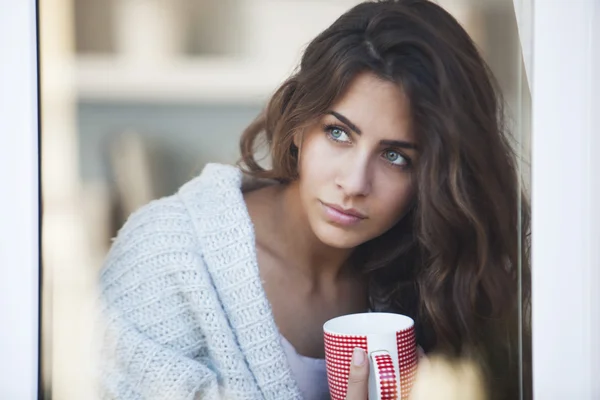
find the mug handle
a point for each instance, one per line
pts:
(383, 382)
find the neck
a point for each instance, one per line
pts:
(317, 260)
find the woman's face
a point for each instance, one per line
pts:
(356, 164)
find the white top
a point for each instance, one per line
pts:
(310, 373)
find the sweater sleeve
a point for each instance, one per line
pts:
(151, 344)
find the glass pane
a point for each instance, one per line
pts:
(502, 30)
(140, 95)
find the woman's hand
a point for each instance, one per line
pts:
(437, 378)
(358, 381)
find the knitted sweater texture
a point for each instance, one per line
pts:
(184, 310)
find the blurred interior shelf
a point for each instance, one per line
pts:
(211, 80)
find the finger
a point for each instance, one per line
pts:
(358, 380)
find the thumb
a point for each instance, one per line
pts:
(358, 380)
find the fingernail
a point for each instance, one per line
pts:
(358, 356)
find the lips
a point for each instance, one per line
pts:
(348, 211)
(342, 216)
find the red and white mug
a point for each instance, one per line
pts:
(388, 339)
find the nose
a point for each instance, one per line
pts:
(354, 177)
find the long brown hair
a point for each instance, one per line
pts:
(458, 262)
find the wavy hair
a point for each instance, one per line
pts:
(458, 262)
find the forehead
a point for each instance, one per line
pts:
(377, 107)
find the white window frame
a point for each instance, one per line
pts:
(566, 199)
(19, 218)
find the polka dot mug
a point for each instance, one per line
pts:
(388, 339)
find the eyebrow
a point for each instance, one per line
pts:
(346, 121)
(393, 143)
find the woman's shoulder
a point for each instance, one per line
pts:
(170, 223)
(154, 246)
(162, 243)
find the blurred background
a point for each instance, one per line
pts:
(138, 95)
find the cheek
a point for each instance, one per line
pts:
(316, 159)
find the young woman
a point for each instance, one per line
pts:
(391, 186)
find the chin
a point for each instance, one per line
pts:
(338, 237)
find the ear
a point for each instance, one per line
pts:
(297, 142)
(298, 139)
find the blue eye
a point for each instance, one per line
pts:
(395, 158)
(337, 134)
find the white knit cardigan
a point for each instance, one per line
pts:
(185, 313)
